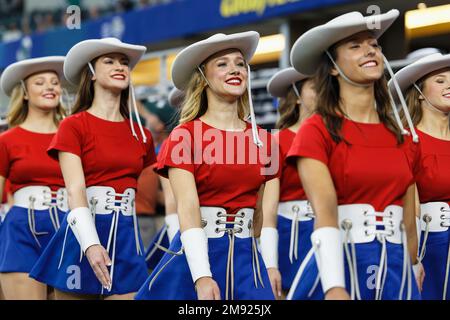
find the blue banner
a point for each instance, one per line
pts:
(154, 24)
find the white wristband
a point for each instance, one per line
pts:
(83, 226)
(269, 247)
(327, 244)
(173, 225)
(195, 244)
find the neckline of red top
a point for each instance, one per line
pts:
(37, 133)
(432, 137)
(248, 126)
(104, 120)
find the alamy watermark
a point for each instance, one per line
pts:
(73, 20)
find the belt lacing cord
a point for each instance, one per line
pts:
(427, 219)
(52, 203)
(293, 243)
(32, 221)
(157, 244)
(350, 254)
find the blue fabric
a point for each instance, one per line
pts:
(130, 270)
(18, 249)
(435, 263)
(288, 269)
(174, 281)
(157, 254)
(368, 259)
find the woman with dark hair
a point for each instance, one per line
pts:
(426, 84)
(356, 167)
(101, 157)
(287, 223)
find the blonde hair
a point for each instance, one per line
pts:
(195, 102)
(18, 108)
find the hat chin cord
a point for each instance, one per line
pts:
(131, 103)
(391, 100)
(429, 104)
(256, 140)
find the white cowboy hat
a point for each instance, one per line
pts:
(416, 70)
(192, 56)
(282, 81)
(309, 47)
(176, 97)
(85, 51)
(19, 71)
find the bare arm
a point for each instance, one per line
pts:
(409, 219)
(2, 185)
(169, 198)
(271, 197)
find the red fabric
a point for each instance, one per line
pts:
(110, 155)
(290, 186)
(370, 169)
(24, 160)
(433, 180)
(194, 146)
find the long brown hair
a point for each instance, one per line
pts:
(288, 108)
(328, 100)
(18, 109)
(86, 91)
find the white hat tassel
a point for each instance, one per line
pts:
(132, 100)
(431, 106)
(402, 101)
(256, 139)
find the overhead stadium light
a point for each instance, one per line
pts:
(427, 21)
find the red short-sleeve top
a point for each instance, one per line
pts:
(227, 166)
(370, 167)
(24, 160)
(110, 155)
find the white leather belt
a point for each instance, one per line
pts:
(295, 211)
(41, 197)
(214, 222)
(360, 221)
(435, 216)
(291, 210)
(105, 200)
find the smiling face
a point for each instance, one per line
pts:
(227, 74)
(43, 90)
(112, 72)
(437, 89)
(359, 58)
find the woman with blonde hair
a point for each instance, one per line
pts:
(426, 85)
(217, 165)
(98, 251)
(288, 218)
(40, 200)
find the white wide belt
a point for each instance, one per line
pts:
(435, 216)
(41, 198)
(296, 210)
(105, 200)
(361, 224)
(215, 224)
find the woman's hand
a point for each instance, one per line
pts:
(275, 281)
(99, 260)
(419, 274)
(337, 294)
(207, 289)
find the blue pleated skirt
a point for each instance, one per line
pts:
(68, 274)
(19, 250)
(288, 269)
(172, 278)
(435, 263)
(368, 259)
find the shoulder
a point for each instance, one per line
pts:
(9, 135)
(74, 120)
